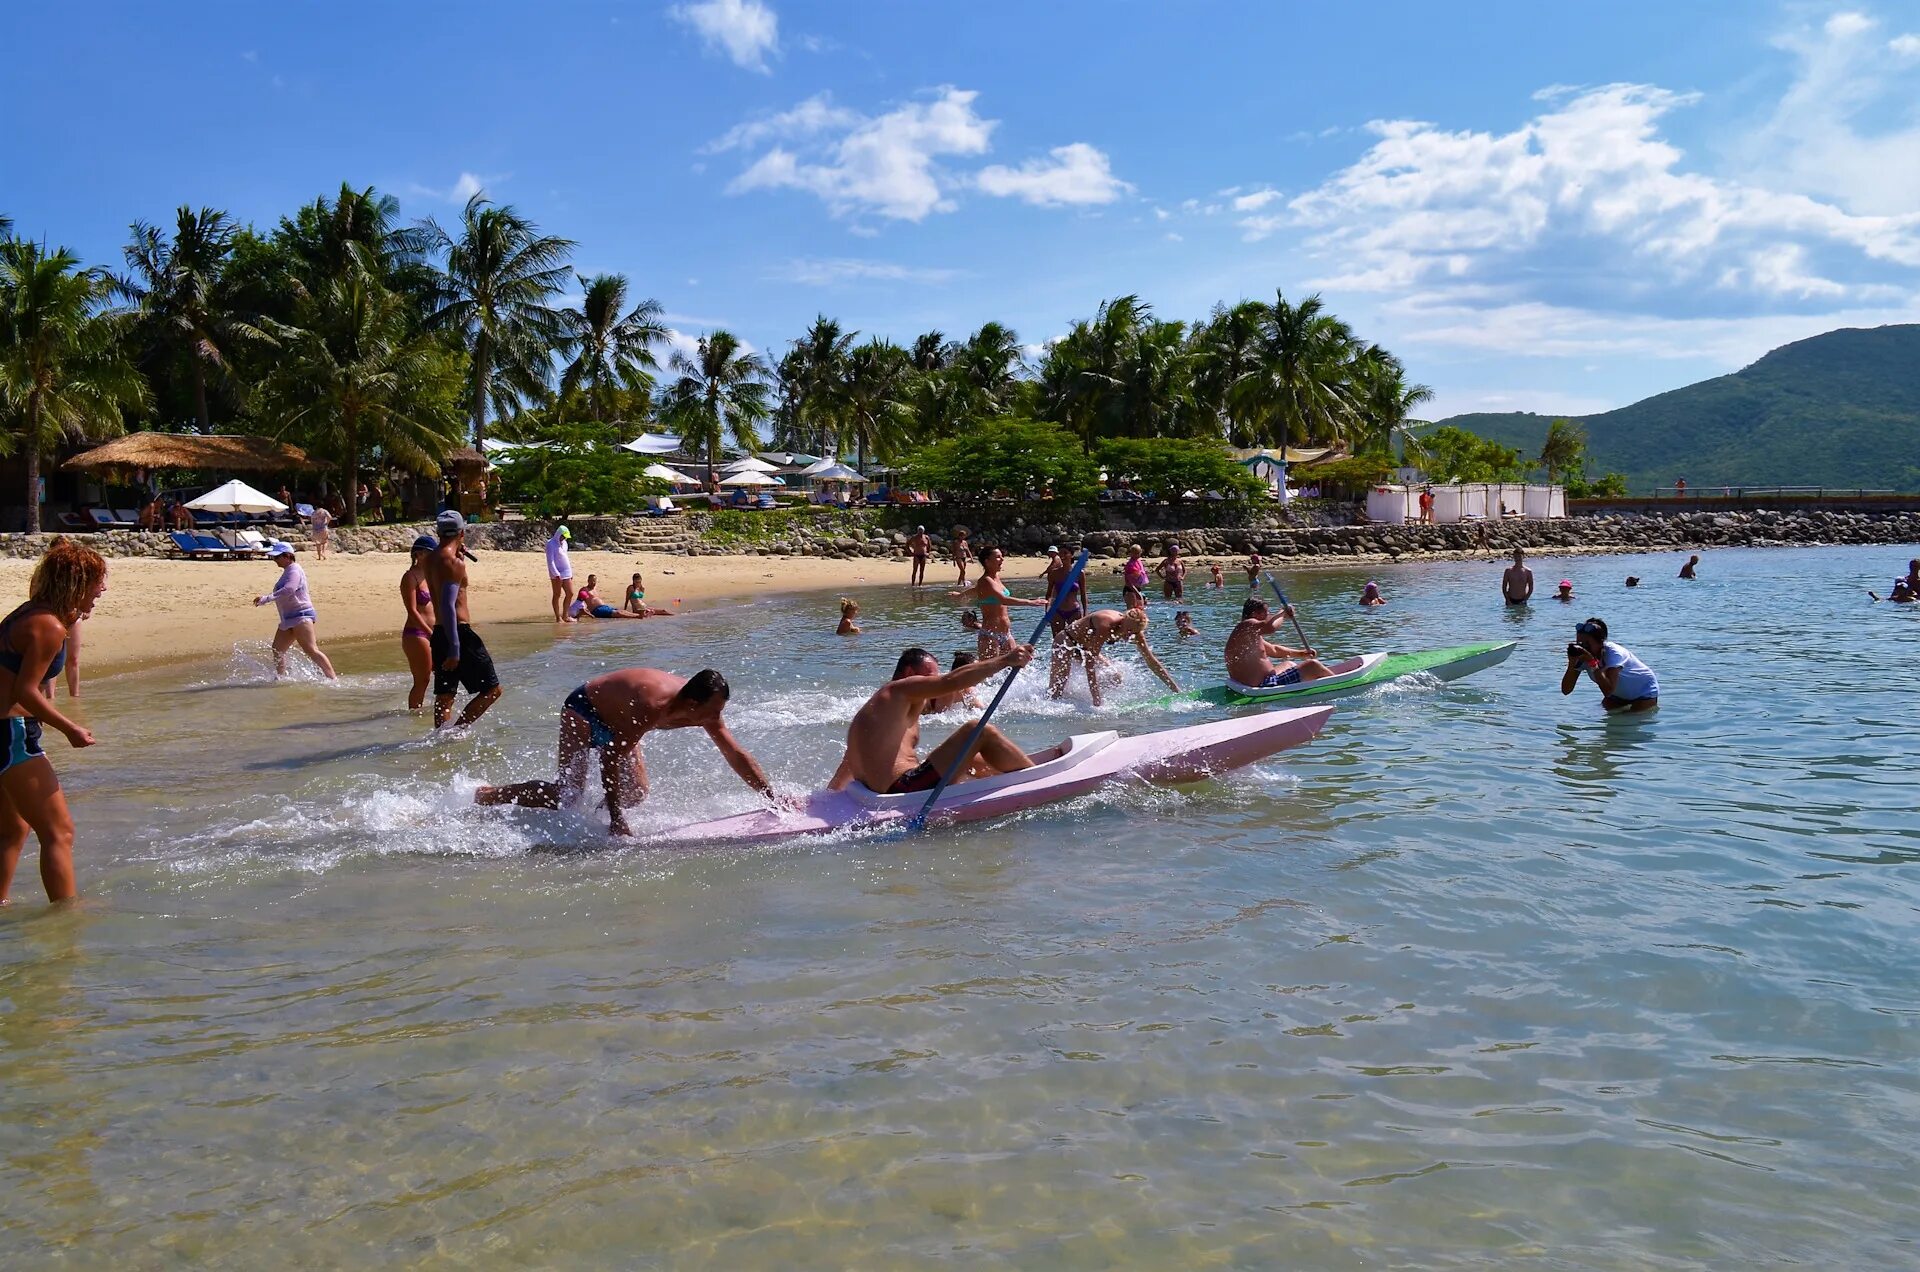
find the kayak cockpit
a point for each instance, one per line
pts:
(1344, 671)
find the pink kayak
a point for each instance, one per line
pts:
(1086, 760)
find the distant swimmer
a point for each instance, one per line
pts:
(1214, 577)
(996, 625)
(460, 658)
(66, 583)
(883, 741)
(1087, 639)
(1173, 574)
(611, 714)
(1902, 593)
(1564, 592)
(416, 636)
(1183, 624)
(966, 698)
(1633, 580)
(296, 612)
(1516, 581)
(970, 619)
(1370, 594)
(849, 610)
(919, 547)
(1626, 683)
(1250, 654)
(1686, 571)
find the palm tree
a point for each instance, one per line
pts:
(357, 373)
(1300, 390)
(819, 372)
(6, 227)
(721, 391)
(878, 382)
(932, 352)
(176, 286)
(1082, 374)
(321, 236)
(1155, 389)
(1225, 352)
(610, 350)
(64, 372)
(992, 362)
(494, 290)
(1386, 401)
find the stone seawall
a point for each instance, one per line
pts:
(861, 534)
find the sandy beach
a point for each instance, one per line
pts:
(157, 611)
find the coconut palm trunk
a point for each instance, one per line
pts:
(33, 464)
(482, 385)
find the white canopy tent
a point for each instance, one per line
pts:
(236, 496)
(653, 444)
(660, 472)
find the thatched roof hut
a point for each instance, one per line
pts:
(465, 457)
(221, 452)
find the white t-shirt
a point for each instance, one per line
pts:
(1636, 681)
(558, 566)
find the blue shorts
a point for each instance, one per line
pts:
(603, 611)
(1291, 676)
(22, 742)
(599, 737)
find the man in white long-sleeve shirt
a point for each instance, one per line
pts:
(560, 572)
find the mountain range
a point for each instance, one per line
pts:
(1838, 410)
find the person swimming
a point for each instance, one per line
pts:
(1565, 591)
(849, 610)
(1370, 594)
(1183, 624)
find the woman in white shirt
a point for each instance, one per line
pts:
(1626, 683)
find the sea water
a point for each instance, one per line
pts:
(1479, 975)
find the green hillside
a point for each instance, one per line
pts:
(1840, 409)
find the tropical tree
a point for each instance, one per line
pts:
(875, 397)
(1452, 454)
(1300, 389)
(577, 467)
(1020, 459)
(6, 227)
(609, 350)
(1384, 401)
(932, 352)
(1226, 352)
(177, 287)
(1082, 374)
(816, 378)
(1563, 452)
(64, 372)
(356, 229)
(356, 373)
(990, 362)
(721, 392)
(495, 289)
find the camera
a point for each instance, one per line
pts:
(1575, 650)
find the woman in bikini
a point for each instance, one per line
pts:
(990, 594)
(416, 634)
(1087, 639)
(33, 638)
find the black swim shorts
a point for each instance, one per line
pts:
(921, 777)
(474, 673)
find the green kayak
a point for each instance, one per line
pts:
(1350, 676)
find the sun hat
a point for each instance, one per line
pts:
(1053, 547)
(279, 548)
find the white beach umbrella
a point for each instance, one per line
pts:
(749, 465)
(662, 473)
(236, 496)
(835, 472)
(653, 444)
(750, 478)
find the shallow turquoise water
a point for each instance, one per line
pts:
(1479, 975)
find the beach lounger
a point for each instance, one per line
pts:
(206, 543)
(77, 524)
(100, 517)
(240, 542)
(126, 516)
(189, 546)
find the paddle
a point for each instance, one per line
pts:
(919, 820)
(1288, 605)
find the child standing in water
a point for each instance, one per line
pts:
(1214, 577)
(849, 610)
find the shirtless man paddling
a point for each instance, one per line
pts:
(883, 742)
(1250, 654)
(611, 714)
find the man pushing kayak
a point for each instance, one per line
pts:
(883, 742)
(610, 714)
(1250, 654)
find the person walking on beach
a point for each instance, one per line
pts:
(1173, 575)
(416, 634)
(297, 614)
(1250, 654)
(919, 547)
(560, 573)
(611, 714)
(991, 595)
(1516, 581)
(320, 526)
(460, 658)
(962, 553)
(1087, 639)
(1686, 571)
(1626, 683)
(883, 740)
(66, 583)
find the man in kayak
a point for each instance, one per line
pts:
(1250, 654)
(611, 714)
(1516, 582)
(1086, 640)
(883, 742)
(1626, 683)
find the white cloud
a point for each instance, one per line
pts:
(251, 55)
(745, 30)
(810, 118)
(1161, 214)
(1904, 46)
(884, 164)
(1843, 26)
(823, 272)
(1175, 238)
(1074, 175)
(1256, 200)
(465, 186)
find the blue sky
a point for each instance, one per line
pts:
(1545, 207)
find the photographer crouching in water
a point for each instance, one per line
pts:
(1626, 683)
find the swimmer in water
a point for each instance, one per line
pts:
(1686, 571)
(996, 624)
(1565, 591)
(416, 634)
(1214, 577)
(1183, 624)
(849, 610)
(1370, 594)
(1087, 638)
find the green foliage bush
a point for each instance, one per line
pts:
(1006, 458)
(1168, 467)
(1453, 454)
(577, 468)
